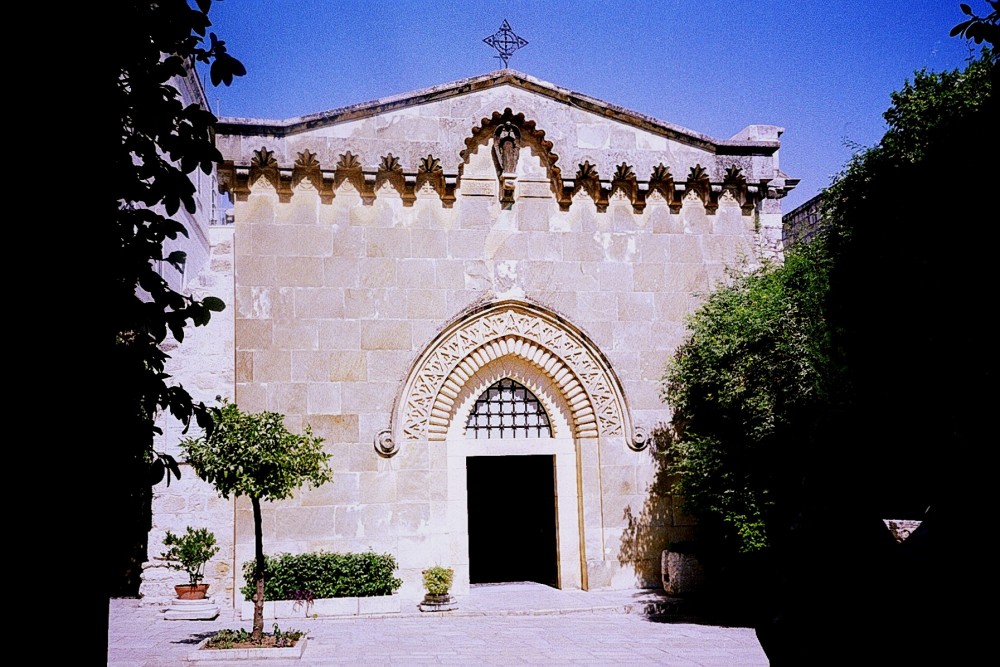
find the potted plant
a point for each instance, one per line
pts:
(190, 552)
(437, 583)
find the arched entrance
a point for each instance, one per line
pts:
(511, 499)
(543, 485)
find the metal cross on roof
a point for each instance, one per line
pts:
(505, 42)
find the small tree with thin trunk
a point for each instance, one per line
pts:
(256, 456)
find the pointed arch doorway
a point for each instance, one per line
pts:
(573, 383)
(511, 499)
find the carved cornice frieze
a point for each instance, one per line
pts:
(306, 168)
(264, 165)
(625, 183)
(662, 181)
(431, 174)
(735, 185)
(390, 172)
(349, 169)
(589, 181)
(509, 133)
(699, 183)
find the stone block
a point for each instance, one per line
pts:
(389, 365)
(636, 306)
(466, 243)
(593, 135)
(377, 272)
(429, 243)
(272, 366)
(418, 272)
(259, 271)
(318, 303)
(597, 306)
(251, 397)
(413, 485)
(258, 208)
(335, 429)
(618, 480)
(255, 334)
(344, 489)
(389, 242)
(341, 272)
(648, 277)
(410, 518)
(368, 397)
(304, 242)
(449, 274)
(300, 523)
(378, 487)
(425, 304)
(365, 303)
(310, 365)
(385, 335)
(345, 366)
(361, 457)
(347, 241)
(287, 397)
(338, 334)
(300, 271)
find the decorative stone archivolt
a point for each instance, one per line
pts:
(511, 328)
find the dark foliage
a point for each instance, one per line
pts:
(162, 143)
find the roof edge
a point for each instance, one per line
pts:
(295, 125)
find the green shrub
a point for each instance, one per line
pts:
(438, 579)
(322, 574)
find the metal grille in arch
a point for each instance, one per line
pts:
(508, 409)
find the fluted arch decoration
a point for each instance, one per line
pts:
(510, 328)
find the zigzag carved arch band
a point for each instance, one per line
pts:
(575, 365)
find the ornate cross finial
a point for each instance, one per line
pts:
(505, 42)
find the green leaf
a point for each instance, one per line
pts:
(214, 304)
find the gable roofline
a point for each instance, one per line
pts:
(290, 126)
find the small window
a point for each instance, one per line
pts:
(508, 410)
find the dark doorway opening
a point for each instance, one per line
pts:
(512, 519)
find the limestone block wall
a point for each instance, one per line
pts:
(334, 302)
(203, 364)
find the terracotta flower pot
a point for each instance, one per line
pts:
(191, 591)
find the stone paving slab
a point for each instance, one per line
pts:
(522, 624)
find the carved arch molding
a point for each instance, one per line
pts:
(427, 403)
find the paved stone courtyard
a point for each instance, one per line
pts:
(547, 627)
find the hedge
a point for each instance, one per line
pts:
(323, 574)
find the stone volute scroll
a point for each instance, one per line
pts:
(385, 445)
(506, 147)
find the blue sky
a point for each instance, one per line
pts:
(823, 70)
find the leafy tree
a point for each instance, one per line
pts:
(162, 142)
(753, 386)
(805, 414)
(979, 28)
(255, 456)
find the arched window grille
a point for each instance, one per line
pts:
(508, 410)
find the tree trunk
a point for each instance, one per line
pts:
(258, 573)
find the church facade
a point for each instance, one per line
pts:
(471, 293)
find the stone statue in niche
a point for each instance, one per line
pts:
(506, 147)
